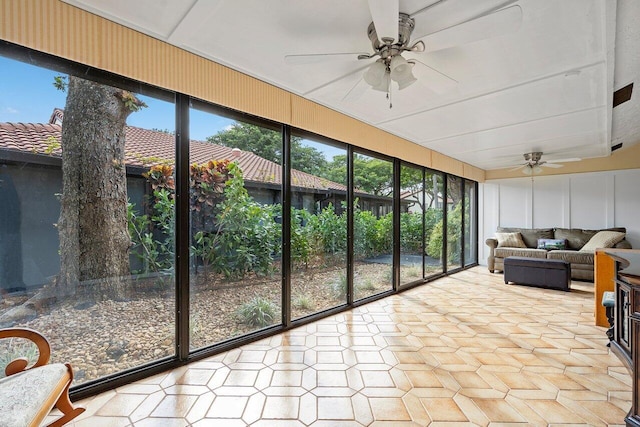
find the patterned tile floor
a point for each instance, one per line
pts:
(463, 350)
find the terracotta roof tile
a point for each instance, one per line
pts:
(144, 148)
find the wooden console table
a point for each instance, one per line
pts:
(626, 340)
(603, 280)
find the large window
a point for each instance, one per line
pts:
(470, 225)
(86, 244)
(372, 225)
(412, 209)
(318, 226)
(434, 207)
(454, 222)
(116, 230)
(236, 232)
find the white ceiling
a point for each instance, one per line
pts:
(544, 85)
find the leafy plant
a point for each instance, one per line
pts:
(152, 237)
(258, 312)
(303, 302)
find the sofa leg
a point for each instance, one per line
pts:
(492, 271)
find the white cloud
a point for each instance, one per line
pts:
(229, 127)
(9, 110)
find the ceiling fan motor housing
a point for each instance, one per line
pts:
(533, 157)
(386, 48)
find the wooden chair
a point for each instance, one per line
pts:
(27, 394)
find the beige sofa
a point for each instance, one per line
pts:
(581, 262)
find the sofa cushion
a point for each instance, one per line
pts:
(573, 257)
(530, 236)
(510, 240)
(603, 239)
(526, 252)
(577, 237)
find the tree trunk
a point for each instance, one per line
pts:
(94, 241)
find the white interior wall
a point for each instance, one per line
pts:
(587, 200)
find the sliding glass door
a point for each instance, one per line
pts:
(318, 226)
(372, 225)
(236, 217)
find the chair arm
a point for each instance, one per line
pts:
(20, 364)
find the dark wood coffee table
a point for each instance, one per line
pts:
(543, 273)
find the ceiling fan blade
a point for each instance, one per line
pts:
(314, 58)
(385, 14)
(571, 159)
(518, 168)
(448, 13)
(432, 78)
(495, 24)
(551, 165)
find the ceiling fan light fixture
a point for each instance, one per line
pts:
(375, 74)
(401, 72)
(383, 86)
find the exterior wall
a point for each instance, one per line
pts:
(587, 200)
(30, 225)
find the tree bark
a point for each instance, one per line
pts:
(94, 241)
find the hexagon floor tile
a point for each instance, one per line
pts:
(465, 350)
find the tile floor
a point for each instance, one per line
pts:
(463, 350)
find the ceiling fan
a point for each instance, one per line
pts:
(533, 163)
(390, 35)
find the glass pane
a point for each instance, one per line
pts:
(454, 222)
(373, 226)
(82, 260)
(318, 226)
(470, 221)
(434, 206)
(411, 224)
(235, 228)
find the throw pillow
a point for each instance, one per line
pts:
(510, 240)
(551, 244)
(602, 239)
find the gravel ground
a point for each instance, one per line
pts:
(110, 336)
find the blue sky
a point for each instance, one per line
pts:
(27, 95)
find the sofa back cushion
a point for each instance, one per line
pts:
(577, 237)
(530, 236)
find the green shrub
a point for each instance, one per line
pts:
(258, 312)
(327, 232)
(152, 237)
(411, 232)
(301, 237)
(246, 236)
(454, 235)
